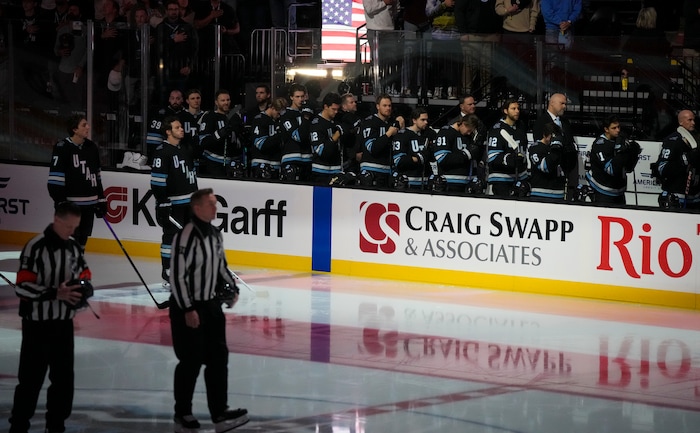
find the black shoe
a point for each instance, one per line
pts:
(230, 420)
(186, 424)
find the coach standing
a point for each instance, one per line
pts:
(197, 323)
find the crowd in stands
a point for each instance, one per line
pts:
(50, 41)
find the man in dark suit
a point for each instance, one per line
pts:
(554, 114)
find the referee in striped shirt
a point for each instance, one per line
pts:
(198, 326)
(48, 263)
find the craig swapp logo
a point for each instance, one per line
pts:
(379, 227)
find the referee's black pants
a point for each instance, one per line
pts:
(195, 347)
(45, 345)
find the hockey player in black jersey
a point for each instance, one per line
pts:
(223, 154)
(325, 142)
(266, 148)
(410, 151)
(679, 163)
(173, 180)
(296, 148)
(75, 175)
(507, 144)
(550, 163)
(376, 132)
(454, 152)
(348, 119)
(154, 133)
(611, 158)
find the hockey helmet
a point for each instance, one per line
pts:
(437, 183)
(669, 200)
(520, 188)
(476, 186)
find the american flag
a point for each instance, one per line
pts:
(341, 18)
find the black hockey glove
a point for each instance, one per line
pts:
(163, 212)
(100, 209)
(224, 132)
(395, 124)
(338, 128)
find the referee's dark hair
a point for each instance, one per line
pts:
(72, 123)
(66, 208)
(199, 195)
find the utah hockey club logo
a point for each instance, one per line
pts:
(379, 227)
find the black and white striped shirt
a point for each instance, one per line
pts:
(46, 262)
(197, 263)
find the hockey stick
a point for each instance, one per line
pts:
(8, 281)
(177, 224)
(161, 305)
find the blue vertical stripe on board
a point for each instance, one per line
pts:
(321, 234)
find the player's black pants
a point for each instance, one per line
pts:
(45, 345)
(206, 346)
(87, 221)
(181, 214)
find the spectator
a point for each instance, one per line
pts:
(480, 28)
(135, 61)
(415, 23)
(71, 47)
(380, 16)
(446, 50)
(646, 38)
(691, 29)
(109, 54)
(177, 42)
(209, 15)
(186, 12)
(33, 41)
(519, 19)
(559, 18)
